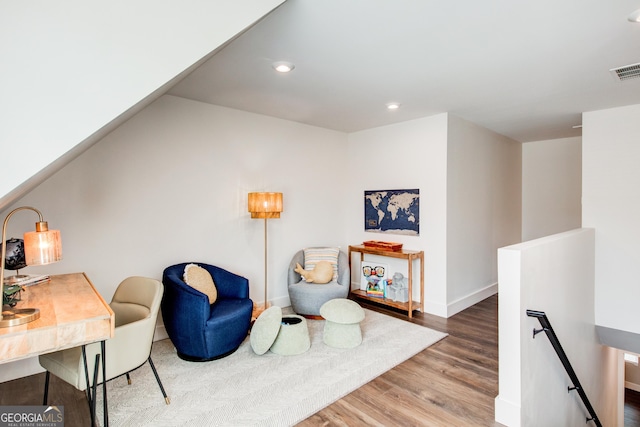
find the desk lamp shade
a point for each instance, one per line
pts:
(42, 246)
(15, 259)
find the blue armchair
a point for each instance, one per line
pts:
(201, 331)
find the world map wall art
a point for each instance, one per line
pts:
(392, 211)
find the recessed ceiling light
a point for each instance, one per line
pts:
(283, 67)
(635, 16)
(393, 106)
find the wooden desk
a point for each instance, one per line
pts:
(406, 254)
(72, 313)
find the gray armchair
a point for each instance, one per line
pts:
(307, 298)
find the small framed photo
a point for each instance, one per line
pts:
(373, 276)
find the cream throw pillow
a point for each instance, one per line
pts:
(200, 279)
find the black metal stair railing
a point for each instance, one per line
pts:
(553, 339)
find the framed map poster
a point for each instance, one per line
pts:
(392, 211)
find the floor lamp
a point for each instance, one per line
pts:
(265, 206)
(42, 246)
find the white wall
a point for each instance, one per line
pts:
(555, 275)
(611, 182)
(411, 154)
(483, 209)
(468, 176)
(74, 66)
(551, 187)
(170, 186)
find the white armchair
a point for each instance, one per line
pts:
(135, 304)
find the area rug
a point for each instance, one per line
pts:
(245, 389)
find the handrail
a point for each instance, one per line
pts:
(553, 339)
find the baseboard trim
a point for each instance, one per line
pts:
(507, 413)
(20, 368)
(435, 308)
(281, 301)
(632, 386)
(471, 299)
(161, 333)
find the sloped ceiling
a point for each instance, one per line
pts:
(526, 70)
(73, 70)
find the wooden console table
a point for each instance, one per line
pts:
(410, 256)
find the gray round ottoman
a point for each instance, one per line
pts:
(342, 325)
(286, 335)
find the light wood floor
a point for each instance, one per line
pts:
(452, 383)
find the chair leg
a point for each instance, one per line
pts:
(46, 387)
(128, 378)
(153, 368)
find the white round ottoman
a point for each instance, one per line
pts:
(286, 335)
(342, 325)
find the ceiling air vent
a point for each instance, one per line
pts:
(627, 72)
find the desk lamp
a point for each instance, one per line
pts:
(265, 205)
(15, 259)
(42, 246)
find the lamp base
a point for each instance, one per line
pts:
(18, 316)
(15, 279)
(258, 309)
